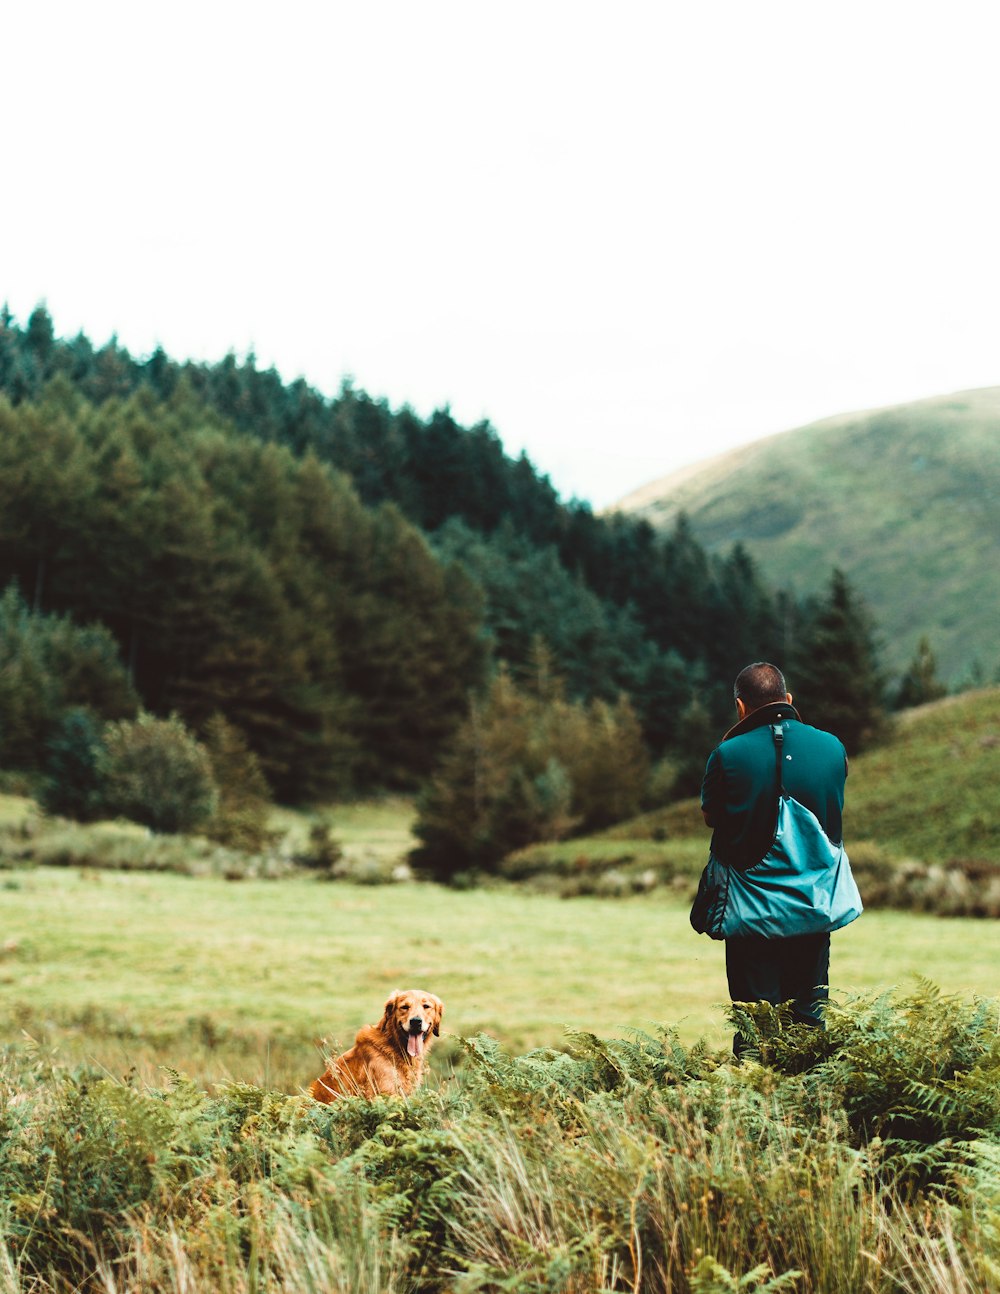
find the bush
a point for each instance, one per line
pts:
(525, 767)
(154, 772)
(72, 778)
(240, 818)
(49, 665)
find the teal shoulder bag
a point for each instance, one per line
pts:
(803, 885)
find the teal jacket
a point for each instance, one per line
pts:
(739, 794)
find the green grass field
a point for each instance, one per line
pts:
(239, 980)
(224, 978)
(632, 1165)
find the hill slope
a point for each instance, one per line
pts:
(927, 794)
(906, 500)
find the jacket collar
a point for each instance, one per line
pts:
(773, 712)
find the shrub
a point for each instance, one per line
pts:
(127, 847)
(621, 1164)
(49, 665)
(960, 888)
(323, 852)
(525, 767)
(153, 771)
(240, 818)
(72, 779)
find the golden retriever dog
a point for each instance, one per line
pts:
(388, 1057)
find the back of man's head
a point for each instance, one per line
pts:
(759, 684)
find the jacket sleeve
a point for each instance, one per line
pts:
(713, 790)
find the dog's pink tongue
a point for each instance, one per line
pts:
(415, 1044)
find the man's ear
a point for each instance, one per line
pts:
(788, 697)
(385, 1024)
(741, 708)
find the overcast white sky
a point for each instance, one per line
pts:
(629, 234)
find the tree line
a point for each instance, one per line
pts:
(341, 580)
(241, 580)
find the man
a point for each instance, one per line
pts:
(739, 803)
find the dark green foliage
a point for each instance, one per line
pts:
(244, 797)
(528, 765)
(153, 771)
(696, 736)
(237, 579)
(49, 666)
(600, 647)
(922, 1075)
(623, 607)
(835, 676)
(920, 682)
(72, 779)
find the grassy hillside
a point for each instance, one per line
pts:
(930, 792)
(906, 500)
(920, 822)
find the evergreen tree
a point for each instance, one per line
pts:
(742, 615)
(661, 695)
(241, 816)
(835, 676)
(920, 682)
(40, 339)
(599, 648)
(697, 736)
(71, 786)
(48, 666)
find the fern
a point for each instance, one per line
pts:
(862, 1156)
(710, 1277)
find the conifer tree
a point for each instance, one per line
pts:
(835, 676)
(697, 735)
(240, 818)
(920, 682)
(71, 786)
(49, 665)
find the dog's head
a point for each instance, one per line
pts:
(411, 1015)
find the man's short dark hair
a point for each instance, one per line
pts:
(759, 684)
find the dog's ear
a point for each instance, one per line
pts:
(438, 1013)
(385, 1024)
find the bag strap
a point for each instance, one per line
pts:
(779, 784)
(779, 737)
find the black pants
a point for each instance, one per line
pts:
(795, 970)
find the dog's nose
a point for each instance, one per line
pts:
(416, 1024)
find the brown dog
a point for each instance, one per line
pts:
(387, 1057)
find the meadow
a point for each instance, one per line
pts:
(583, 1127)
(238, 980)
(154, 1138)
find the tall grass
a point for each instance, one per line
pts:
(621, 1165)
